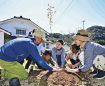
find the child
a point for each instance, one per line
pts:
(47, 57)
(58, 53)
(72, 58)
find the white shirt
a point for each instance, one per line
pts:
(81, 57)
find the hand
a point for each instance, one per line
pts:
(68, 61)
(73, 66)
(70, 65)
(71, 70)
(57, 69)
(56, 66)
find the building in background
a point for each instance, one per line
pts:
(20, 26)
(3, 34)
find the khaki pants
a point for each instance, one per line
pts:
(13, 69)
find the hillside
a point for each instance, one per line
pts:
(97, 32)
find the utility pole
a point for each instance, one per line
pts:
(83, 23)
(50, 14)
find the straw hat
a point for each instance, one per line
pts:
(82, 35)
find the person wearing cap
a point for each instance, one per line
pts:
(38, 37)
(58, 53)
(91, 50)
(15, 51)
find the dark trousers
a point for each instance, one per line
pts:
(74, 61)
(59, 60)
(29, 60)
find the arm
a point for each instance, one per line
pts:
(67, 57)
(52, 62)
(63, 57)
(88, 61)
(76, 65)
(54, 54)
(36, 57)
(88, 58)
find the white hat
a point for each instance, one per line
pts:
(39, 33)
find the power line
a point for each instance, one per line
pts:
(68, 7)
(100, 9)
(64, 11)
(61, 2)
(88, 10)
(98, 12)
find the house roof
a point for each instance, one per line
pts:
(24, 19)
(5, 31)
(21, 18)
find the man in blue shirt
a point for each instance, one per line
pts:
(91, 50)
(16, 51)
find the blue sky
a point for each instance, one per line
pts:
(67, 19)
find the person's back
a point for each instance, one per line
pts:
(14, 49)
(95, 49)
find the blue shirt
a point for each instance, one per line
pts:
(91, 50)
(20, 48)
(59, 53)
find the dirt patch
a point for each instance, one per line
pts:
(45, 78)
(63, 78)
